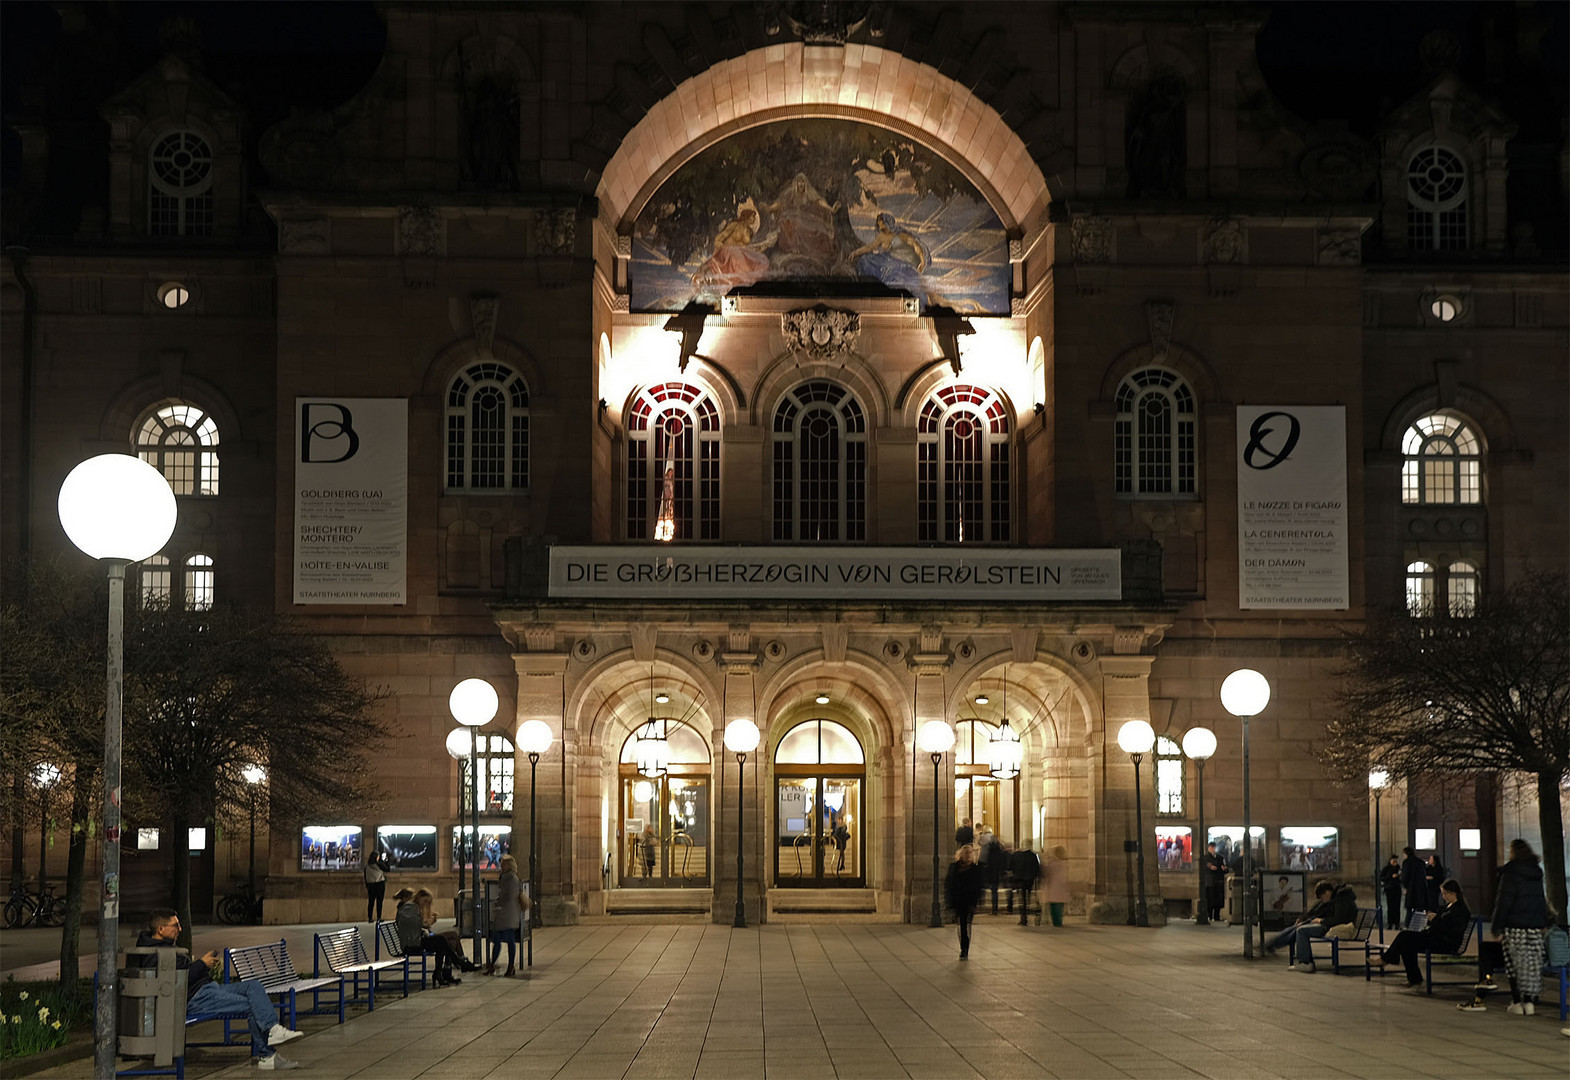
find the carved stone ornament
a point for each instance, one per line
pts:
(1090, 238)
(1159, 315)
(420, 231)
(556, 231)
(305, 236)
(818, 22)
(483, 308)
(1340, 247)
(820, 332)
(1223, 241)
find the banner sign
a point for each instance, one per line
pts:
(660, 571)
(1292, 507)
(351, 500)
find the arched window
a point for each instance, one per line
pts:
(180, 440)
(155, 580)
(1463, 586)
(1436, 192)
(488, 430)
(1155, 449)
(496, 760)
(197, 586)
(1441, 461)
(665, 818)
(820, 465)
(1419, 589)
(1169, 776)
(180, 186)
(963, 483)
(673, 465)
(820, 774)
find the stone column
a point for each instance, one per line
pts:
(541, 696)
(929, 666)
(740, 696)
(1125, 696)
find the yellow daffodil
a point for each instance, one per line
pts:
(55, 1025)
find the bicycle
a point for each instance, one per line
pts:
(33, 908)
(240, 908)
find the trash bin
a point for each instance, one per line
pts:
(466, 914)
(151, 1010)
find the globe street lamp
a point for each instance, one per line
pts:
(473, 703)
(1245, 693)
(534, 738)
(1378, 780)
(935, 737)
(117, 509)
(741, 738)
(1198, 744)
(1135, 738)
(253, 775)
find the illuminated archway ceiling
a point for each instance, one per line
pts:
(819, 200)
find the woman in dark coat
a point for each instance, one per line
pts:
(962, 889)
(1434, 871)
(1414, 882)
(1446, 928)
(1390, 884)
(1520, 916)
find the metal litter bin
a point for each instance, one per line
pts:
(467, 912)
(151, 1020)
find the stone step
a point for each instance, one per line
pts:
(658, 901)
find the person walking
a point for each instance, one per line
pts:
(376, 866)
(1390, 886)
(962, 888)
(1215, 870)
(994, 862)
(1054, 884)
(1520, 917)
(1025, 869)
(1414, 882)
(507, 912)
(965, 834)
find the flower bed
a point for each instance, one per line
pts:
(38, 1016)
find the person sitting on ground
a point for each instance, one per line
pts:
(1446, 928)
(202, 995)
(436, 945)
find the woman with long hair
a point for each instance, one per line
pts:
(507, 912)
(1520, 917)
(1446, 928)
(436, 944)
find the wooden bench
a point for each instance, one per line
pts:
(270, 965)
(345, 956)
(1362, 927)
(387, 942)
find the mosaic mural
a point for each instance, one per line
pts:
(819, 200)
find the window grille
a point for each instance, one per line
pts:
(673, 464)
(488, 430)
(1155, 450)
(964, 484)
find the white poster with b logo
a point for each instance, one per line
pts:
(1292, 507)
(351, 500)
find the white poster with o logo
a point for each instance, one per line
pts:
(351, 494)
(1292, 507)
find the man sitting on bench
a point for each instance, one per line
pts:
(202, 995)
(1444, 933)
(1335, 904)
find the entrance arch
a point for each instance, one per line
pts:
(664, 809)
(820, 783)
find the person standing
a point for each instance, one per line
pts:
(994, 862)
(506, 916)
(1414, 882)
(1025, 869)
(376, 865)
(1054, 884)
(965, 834)
(1215, 870)
(841, 835)
(1390, 887)
(1520, 917)
(962, 888)
(1434, 872)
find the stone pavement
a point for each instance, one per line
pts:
(628, 999)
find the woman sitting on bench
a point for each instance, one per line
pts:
(415, 917)
(1445, 930)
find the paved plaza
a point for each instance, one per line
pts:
(621, 999)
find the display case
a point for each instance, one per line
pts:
(331, 847)
(1311, 848)
(1175, 848)
(411, 847)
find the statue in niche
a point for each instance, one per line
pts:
(490, 106)
(1155, 140)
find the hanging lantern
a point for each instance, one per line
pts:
(652, 751)
(1004, 753)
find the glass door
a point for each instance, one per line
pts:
(818, 831)
(665, 832)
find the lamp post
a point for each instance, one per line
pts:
(741, 738)
(473, 703)
(534, 738)
(1198, 744)
(45, 776)
(253, 775)
(1378, 780)
(117, 509)
(1245, 693)
(935, 738)
(1136, 738)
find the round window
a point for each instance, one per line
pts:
(1445, 308)
(172, 294)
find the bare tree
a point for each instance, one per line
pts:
(210, 692)
(1427, 697)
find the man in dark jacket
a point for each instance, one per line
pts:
(1025, 869)
(1335, 905)
(205, 996)
(962, 888)
(1390, 884)
(1414, 881)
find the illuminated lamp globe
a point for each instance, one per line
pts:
(642, 791)
(1379, 779)
(1199, 743)
(1136, 737)
(460, 740)
(115, 506)
(253, 774)
(534, 736)
(1004, 753)
(935, 737)
(1245, 692)
(741, 736)
(473, 702)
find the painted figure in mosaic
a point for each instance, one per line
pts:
(805, 241)
(736, 259)
(894, 256)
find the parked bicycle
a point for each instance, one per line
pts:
(32, 907)
(241, 907)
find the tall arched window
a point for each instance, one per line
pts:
(673, 464)
(1463, 586)
(197, 584)
(1441, 461)
(488, 430)
(180, 186)
(1169, 776)
(665, 818)
(820, 465)
(820, 773)
(180, 440)
(963, 482)
(1436, 192)
(1419, 589)
(1155, 448)
(155, 580)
